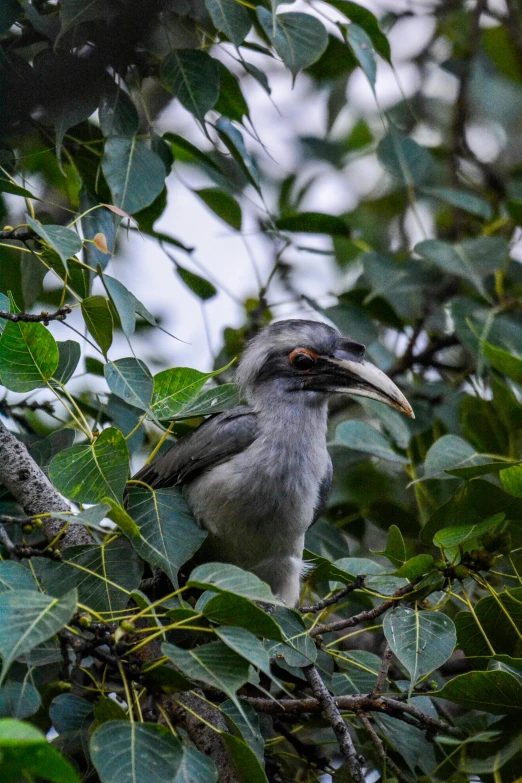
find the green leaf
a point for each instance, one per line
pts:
(416, 566)
(193, 77)
(378, 577)
(6, 186)
(472, 259)
(359, 436)
(120, 517)
(28, 356)
(90, 516)
(69, 356)
(231, 101)
(231, 18)
(134, 173)
(19, 700)
(221, 203)
(127, 305)
(422, 641)
(104, 574)
(176, 389)
(5, 306)
(246, 645)
(126, 752)
(197, 284)
(501, 360)
(98, 320)
(226, 578)
(480, 470)
(14, 576)
(395, 547)
(28, 618)
(249, 730)
(361, 45)
(90, 471)
(453, 536)
(245, 760)
(64, 241)
(229, 609)
(131, 380)
(118, 115)
(365, 19)
(511, 479)
(299, 649)
(25, 751)
(299, 39)
(404, 159)
(233, 140)
(169, 533)
(497, 692)
(448, 453)
(196, 768)
(360, 670)
(469, 202)
(214, 400)
(9, 13)
(186, 152)
(314, 223)
(98, 221)
(214, 664)
(69, 712)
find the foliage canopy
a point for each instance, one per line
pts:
(411, 624)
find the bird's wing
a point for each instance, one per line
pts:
(216, 440)
(324, 492)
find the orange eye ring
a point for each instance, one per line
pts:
(302, 359)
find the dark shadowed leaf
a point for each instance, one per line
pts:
(215, 664)
(70, 712)
(231, 101)
(91, 471)
(98, 320)
(69, 352)
(250, 730)
(222, 204)
(169, 533)
(28, 618)
(193, 77)
(244, 758)
(469, 202)
(246, 645)
(28, 356)
(134, 173)
(104, 574)
(13, 576)
(118, 115)
(195, 767)
(231, 18)
(362, 47)
(127, 305)
(99, 221)
(131, 380)
(359, 673)
(233, 140)
(448, 453)
(359, 436)
(365, 19)
(497, 692)
(19, 700)
(203, 288)
(314, 223)
(6, 186)
(125, 752)
(404, 159)
(422, 641)
(299, 39)
(501, 360)
(229, 609)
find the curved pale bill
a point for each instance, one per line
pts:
(377, 385)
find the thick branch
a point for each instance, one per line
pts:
(363, 702)
(335, 719)
(383, 672)
(20, 474)
(43, 317)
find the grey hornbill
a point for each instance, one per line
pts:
(256, 477)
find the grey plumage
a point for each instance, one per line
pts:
(258, 476)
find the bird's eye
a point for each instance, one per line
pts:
(302, 359)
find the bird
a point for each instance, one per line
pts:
(257, 476)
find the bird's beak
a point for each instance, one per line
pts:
(364, 379)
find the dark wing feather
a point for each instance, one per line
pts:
(324, 493)
(216, 440)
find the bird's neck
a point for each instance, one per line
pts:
(293, 414)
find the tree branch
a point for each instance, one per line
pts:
(381, 752)
(369, 614)
(357, 584)
(383, 672)
(335, 719)
(21, 234)
(28, 483)
(44, 317)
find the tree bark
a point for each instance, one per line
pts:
(20, 474)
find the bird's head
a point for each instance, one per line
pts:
(313, 360)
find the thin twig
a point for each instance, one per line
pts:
(335, 719)
(369, 614)
(43, 317)
(357, 584)
(383, 672)
(381, 751)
